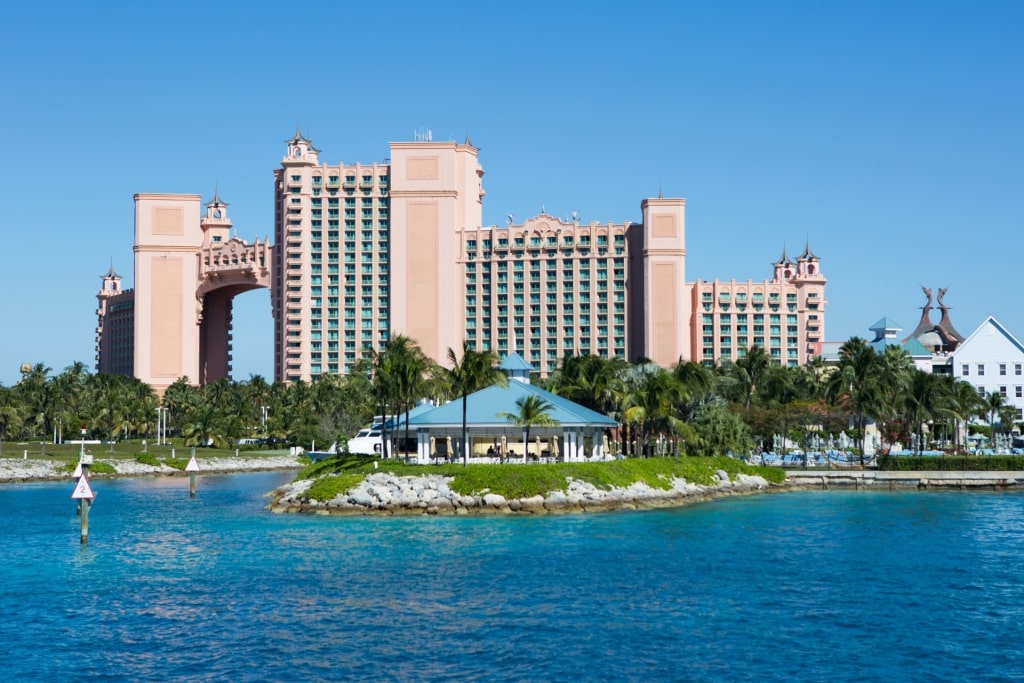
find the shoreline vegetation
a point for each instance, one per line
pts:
(364, 485)
(60, 463)
(354, 485)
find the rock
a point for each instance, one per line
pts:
(493, 500)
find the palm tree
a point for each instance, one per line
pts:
(887, 402)
(474, 371)
(854, 381)
(925, 401)
(410, 368)
(204, 427)
(650, 404)
(34, 392)
(533, 410)
(11, 414)
(752, 369)
(965, 404)
(995, 403)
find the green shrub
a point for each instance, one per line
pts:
(96, 468)
(523, 481)
(327, 487)
(952, 463)
(147, 459)
(176, 463)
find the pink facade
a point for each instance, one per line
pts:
(115, 329)
(785, 315)
(187, 270)
(365, 251)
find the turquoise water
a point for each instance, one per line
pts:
(836, 586)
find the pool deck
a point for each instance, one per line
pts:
(824, 479)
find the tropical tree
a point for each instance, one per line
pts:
(475, 370)
(965, 404)
(410, 371)
(887, 403)
(720, 431)
(650, 403)
(925, 401)
(204, 427)
(853, 382)
(751, 370)
(532, 410)
(995, 402)
(11, 414)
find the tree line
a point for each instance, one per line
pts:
(689, 408)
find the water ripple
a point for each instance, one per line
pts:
(812, 586)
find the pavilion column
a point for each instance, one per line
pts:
(422, 447)
(572, 445)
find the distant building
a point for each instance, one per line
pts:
(176, 321)
(363, 252)
(115, 329)
(785, 315)
(992, 360)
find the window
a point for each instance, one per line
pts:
(1002, 368)
(981, 369)
(965, 370)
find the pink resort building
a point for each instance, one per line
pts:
(365, 251)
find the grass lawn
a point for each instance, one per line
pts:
(123, 450)
(521, 481)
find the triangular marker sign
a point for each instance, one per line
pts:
(78, 471)
(192, 465)
(82, 490)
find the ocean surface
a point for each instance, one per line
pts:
(811, 586)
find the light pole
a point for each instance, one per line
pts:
(161, 425)
(264, 410)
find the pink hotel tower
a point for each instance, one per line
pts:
(362, 252)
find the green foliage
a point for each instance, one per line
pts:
(176, 463)
(968, 463)
(344, 462)
(94, 469)
(721, 431)
(147, 459)
(329, 486)
(519, 481)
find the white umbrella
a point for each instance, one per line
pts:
(554, 446)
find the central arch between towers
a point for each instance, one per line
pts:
(188, 270)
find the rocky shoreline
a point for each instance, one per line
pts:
(383, 493)
(23, 470)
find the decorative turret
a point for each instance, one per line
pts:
(111, 283)
(808, 265)
(301, 151)
(215, 224)
(784, 268)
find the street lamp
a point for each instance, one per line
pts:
(264, 410)
(161, 425)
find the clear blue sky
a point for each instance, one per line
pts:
(888, 135)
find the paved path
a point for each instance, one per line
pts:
(894, 480)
